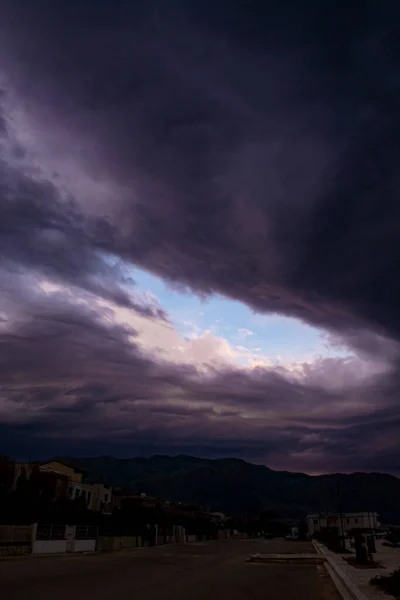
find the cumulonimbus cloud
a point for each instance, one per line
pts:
(261, 167)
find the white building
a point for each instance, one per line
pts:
(102, 498)
(85, 491)
(96, 496)
(344, 522)
(218, 517)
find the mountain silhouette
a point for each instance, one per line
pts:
(239, 487)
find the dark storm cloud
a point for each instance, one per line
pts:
(46, 233)
(271, 155)
(40, 232)
(253, 152)
(262, 144)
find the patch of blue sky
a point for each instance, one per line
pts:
(269, 334)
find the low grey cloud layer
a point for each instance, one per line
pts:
(249, 152)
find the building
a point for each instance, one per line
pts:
(83, 491)
(102, 498)
(77, 488)
(73, 473)
(45, 484)
(219, 517)
(343, 522)
(96, 496)
(124, 498)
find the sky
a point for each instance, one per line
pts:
(199, 232)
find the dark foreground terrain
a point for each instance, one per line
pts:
(201, 571)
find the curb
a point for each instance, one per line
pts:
(294, 559)
(343, 584)
(341, 588)
(31, 556)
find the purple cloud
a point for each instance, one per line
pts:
(247, 154)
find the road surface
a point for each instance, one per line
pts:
(201, 571)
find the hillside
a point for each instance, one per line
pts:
(240, 487)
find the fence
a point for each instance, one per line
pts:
(50, 532)
(117, 543)
(58, 539)
(85, 532)
(15, 540)
(41, 538)
(11, 534)
(85, 538)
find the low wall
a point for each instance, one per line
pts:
(49, 546)
(162, 540)
(84, 545)
(116, 543)
(240, 536)
(105, 543)
(15, 549)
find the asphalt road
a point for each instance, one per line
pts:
(202, 571)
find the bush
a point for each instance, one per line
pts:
(388, 583)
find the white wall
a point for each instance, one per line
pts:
(49, 546)
(102, 495)
(348, 521)
(77, 489)
(311, 527)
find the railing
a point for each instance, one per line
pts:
(50, 532)
(15, 533)
(58, 532)
(83, 532)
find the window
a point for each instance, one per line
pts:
(356, 521)
(70, 492)
(89, 495)
(347, 521)
(106, 498)
(77, 493)
(315, 521)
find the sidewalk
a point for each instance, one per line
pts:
(359, 578)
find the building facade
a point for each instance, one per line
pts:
(83, 491)
(343, 522)
(124, 498)
(73, 474)
(96, 496)
(102, 498)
